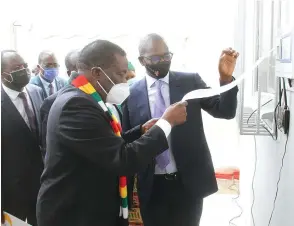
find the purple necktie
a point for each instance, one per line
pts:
(163, 159)
(29, 112)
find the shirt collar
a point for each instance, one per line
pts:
(13, 94)
(45, 83)
(150, 80)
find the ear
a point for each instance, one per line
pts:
(141, 60)
(96, 72)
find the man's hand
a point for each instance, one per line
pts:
(227, 63)
(176, 114)
(149, 124)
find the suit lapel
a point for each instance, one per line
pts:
(57, 83)
(34, 100)
(142, 100)
(42, 86)
(174, 88)
(12, 112)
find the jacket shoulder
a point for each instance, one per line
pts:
(138, 85)
(189, 78)
(61, 80)
(73, 96)
(184, 75)
(34, 88)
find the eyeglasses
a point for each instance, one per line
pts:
(155, 59)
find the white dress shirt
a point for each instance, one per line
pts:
(46, 85)
(18, 102)
(171, 167)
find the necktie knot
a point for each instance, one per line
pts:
(22, 95)
(158, 84)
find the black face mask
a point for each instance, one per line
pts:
(159, 70)
(18, 79)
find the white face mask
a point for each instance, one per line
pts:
(118, 92)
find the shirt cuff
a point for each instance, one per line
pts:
(165, 126)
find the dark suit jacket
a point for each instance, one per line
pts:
(21, 160)
(59, 82)
(188, 141)
(44, 112)
(84, 159)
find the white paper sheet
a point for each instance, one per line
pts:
(11, 220)
(202, 93)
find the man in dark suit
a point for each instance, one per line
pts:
(48, 78)
(171, 189)
(44, 112)
(71, 61)
(20, 151)
(84, 158)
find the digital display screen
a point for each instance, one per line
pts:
(286, 49)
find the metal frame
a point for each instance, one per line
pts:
(256, 126)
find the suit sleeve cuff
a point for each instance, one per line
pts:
(225, 82)
(165, 126)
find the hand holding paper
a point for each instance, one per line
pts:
(227, 63)
(203, 93)
(176, 114)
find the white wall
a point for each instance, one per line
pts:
(269, 160)
(269, 157)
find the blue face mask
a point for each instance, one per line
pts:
(50, 74)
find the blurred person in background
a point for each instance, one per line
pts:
(131, 74)
(48, 78)
(21, 161)
(71, 61)
(35, 70)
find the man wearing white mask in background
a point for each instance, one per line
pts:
(88, 158)
(48, 78)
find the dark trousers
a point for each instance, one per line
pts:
(171, 205)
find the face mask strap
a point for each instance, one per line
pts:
(10, 77)
(106, 75)
(102, 87)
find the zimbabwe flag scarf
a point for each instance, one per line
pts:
(82, 83)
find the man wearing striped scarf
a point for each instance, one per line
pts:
(88, 158)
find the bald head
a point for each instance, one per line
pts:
(71, 61)
(151, 43)
(6, 56)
